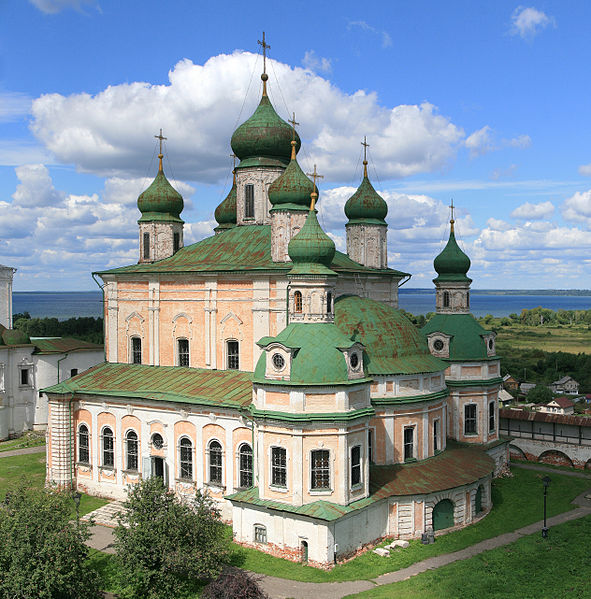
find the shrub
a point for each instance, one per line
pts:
(164, 545)
(234, 583)
(42, 553)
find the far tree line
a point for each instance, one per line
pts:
(86, 328)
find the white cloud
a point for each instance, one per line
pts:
(585, 170)
(111, 133)
(577, 208)
(14, 105)
(384, 36)
(480, 142)
(503, 173)
(529, 211)
(35, 187)
(528, 22)
(54, 6)
(315, 63)
(521, 141)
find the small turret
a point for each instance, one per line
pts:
(225, 213)
(161, 227)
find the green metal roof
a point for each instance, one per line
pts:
(311, 250)
(455, 467)
(199, 386)
(292, 188)
(393, 345)
(60, 345)
(366, 205)
(317, 360)
(225, 213)
(264, 139)
(466, 334)
(160, 202)
(452, 264)
(240, 249)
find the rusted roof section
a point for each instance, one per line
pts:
(544, 417)
(60, 345)
(239, 249)
(455, 467)
(226, 388)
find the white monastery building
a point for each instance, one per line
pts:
(277, 373)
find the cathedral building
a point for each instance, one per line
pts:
(278, 374)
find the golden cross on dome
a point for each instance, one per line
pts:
(160, 155)
(365, 146)
(451, 220)
(293, 126)
(265, 46)
(314, 195)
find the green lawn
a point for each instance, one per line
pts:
(531, 568)
(575, 339)
(517, 502)
(32, 467)
(29, 439)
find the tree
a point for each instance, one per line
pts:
(540, 394)
(234, 583)
(42, 552)
(165, 545)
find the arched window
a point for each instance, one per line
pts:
(446, 299)
(131, 450)
(329, 302)
(215, 463)
(245, 465)
(297, 301)
(183, 352)
(186, 458)
(108, 447)
(83, 445)
(136, 350)
(233, 355)
(249, 201)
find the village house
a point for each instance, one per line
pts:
(565, 385)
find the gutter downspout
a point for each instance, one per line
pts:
(102, 288)
(287, 304)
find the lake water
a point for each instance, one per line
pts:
(63, 305)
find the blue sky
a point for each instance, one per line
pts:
(482, 102)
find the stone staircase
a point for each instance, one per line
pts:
(106, 515)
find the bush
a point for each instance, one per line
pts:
(42, 553)
(166, 546)
(234, 583)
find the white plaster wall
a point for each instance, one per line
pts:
(6, 275)
(367, 244)
(261, 177)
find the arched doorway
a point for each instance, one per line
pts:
(443, 515)
(304, 548)
(478, 500)
(516, 453)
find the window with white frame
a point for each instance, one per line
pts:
(409, 443)
(436, 435)
(470, 427)
(233, 354)
(108, 448)
(136, 350)
(297, 301)
(186, 459)
(25, 373)
(215, 463)
(356, 465)
(491, 416)
(131, 453)
(320, 469)
(260, 533)
(83, 445)
(183, 352)
(278, 467)
(245, 466)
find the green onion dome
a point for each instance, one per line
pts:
(264, 139)
(452, 264)
(366, 205)
(161, 201)
(293, 188)
(311, 250)
(225, 213)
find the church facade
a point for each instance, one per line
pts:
(277, 373)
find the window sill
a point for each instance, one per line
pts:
(278, 489)
(217, 487)
(357, 487)
(321, 491)
(130, 471)
(111, 469)
(470, 434)
(410, 460)
(185, 480)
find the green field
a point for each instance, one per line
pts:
(29, 439)
(531, 568)
(574, 340)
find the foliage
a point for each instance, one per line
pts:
(234, 583)
(86, 328)
(540, 394)
(165, 545)
(531, 567)
(42, 553)
(28, 439)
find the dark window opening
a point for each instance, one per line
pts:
(329, 303)
(233, 352)
(146, 246)
(136, 350)
(278, 467)
(176, 242)
(24, 376)
(355, 466)
(73, 372)
(215, 463)
(297, 301)
(108, 448)
(370, 445)
(409, 434)
(245, 466)
(491, 416)
(320, 469)
(131, 441)
(436, 435)
(446, 299)
(83, 445)
(249, 201)
(470, 419)
(183, 347)
(186, 459)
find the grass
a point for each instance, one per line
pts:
(30, 439)
(517, 502)
(574, 340)
(32, 468)
(517, 462)
(530, 568)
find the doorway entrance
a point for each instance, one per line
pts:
(443, 515)
(158, 467)
(304, 547)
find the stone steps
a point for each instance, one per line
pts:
(107, 514)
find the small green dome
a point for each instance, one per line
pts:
(225, 213)
(452, 264)
(264, 139)
(15, 337)
(311, 250)
(161, 201)
(366, 204)
(293, 188)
